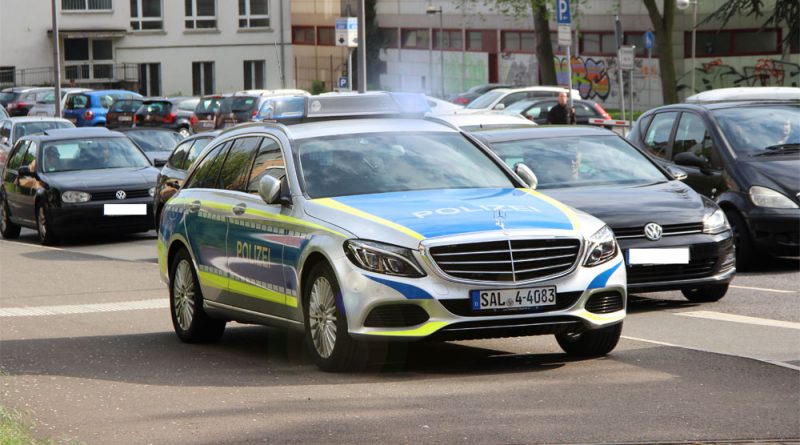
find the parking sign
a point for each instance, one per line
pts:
(562, 12)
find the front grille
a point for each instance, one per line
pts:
(605, 302)
(669, 230)
(112, 195)
(669, 272)
(463, 306)
(396, 316)
(507, 260)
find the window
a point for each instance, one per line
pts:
(450, 39)
(202, 78)
(303, 35)
(77, 102)
(88, 58)
(235, 172)
(389, 37)
(326, 36)
(146, 14)
(76, 50)
(177, 158)
(16, 159)
(86, 5)
(742, 42)
(268, 162)
(150, 79)
(518, 41)
(692, 136)
(200, 14)
(416, 38)
(254, 74)
(205, 175)
(657, 137)
(7, 74)
(253, 13)
(485, 41)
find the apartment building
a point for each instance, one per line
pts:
(156, 47)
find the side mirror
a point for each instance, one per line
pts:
(499, 107)
(689, 159)
(269, 189)
(25, 170)
(527, 175)
(676, 173)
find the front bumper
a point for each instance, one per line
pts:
(775, 231)
(90, 216)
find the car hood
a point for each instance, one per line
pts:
(406, 218)
(112, 178)
(628, 206)
(779, 172)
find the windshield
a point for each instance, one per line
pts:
(486, 100)
(125, 106)
(7, 96)
(393, 162)
(756, 130)
(26, 128)
(580, 161)
(91, 154)
(155, 140)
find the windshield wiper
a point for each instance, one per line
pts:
(779, 149)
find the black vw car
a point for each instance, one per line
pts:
(66, 180)
(673, 238)
(745, 155)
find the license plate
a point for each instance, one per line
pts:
(678, 255)
(124, 118)
(528, 297)
(124, 209)
(207, 124)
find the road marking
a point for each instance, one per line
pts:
(710, 315)
(780, 291)
(39, 311)
(661, 343)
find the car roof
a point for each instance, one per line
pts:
(746, 94)
(706, 106)
(482, 119)
(74, 133)
(23, 119)
(278, 92)
(135, 129)
(16, 89)
(337, 127)
(101, 92)
(543, 132)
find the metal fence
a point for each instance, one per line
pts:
(81, 74)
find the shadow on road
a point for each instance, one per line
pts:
(89, 238)
(766, 265)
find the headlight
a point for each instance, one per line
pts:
(382, 258)
(602, 247)
(152, 191)
(71, 196)
(765, 197)
(715, 223)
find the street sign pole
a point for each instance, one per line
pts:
(564, 19)
(630, 85)
(618, 35)
(350, 69)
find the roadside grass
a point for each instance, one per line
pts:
(15, 431)
(617, 114)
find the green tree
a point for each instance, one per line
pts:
(786, 13)
(663, 24)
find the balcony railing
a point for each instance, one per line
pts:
(79, 74)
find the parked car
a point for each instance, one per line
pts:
(19, 100)
(173, 113)
(172, 175)
(70, 180)
(500, 98)
(484, 121)
(205, 113)
(284, 107)
(672, 238)
(536, 110)
(745, 155)
(13, 128)
(120, 113)
(157, 143)
(473, 93)
(244, 105)
(746, 94)
(89, 109)
(3, 112)
(439, 106)
(46, 101)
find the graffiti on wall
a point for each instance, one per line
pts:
(597, 78)
(589, 76)
(718, 74)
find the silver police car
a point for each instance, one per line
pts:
(382, 227)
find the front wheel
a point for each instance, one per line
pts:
(706, 294)
(47, 236)
(189, 320)
(741, 237)
(594, 343)
(327, 337)
(8, 229)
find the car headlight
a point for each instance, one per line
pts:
(766, 197)
(715, 222)
(382, 258)
(602, 247)
(73, 196)
(152, 191)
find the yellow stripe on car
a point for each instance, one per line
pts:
(573, 218)
(332, 203)
(220, 282)
(422, 331)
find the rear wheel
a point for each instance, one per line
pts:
(594, 343)
(189, 320)
(706, 294)
(7, 228)
(47, 235)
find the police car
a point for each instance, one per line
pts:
(381, 226)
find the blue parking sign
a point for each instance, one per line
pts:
(562, 12)
(649, 40)
(343, 82)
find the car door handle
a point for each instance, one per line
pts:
(239, 209)
(194, 207)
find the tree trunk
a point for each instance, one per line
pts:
(666, 64)
(544, 47)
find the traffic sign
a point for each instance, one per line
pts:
(564, 35)
(626, 58)
(343, 83)
(649, 40)
(347, 31)
(562, 12)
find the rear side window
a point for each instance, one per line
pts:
(236, 170)
(206, 174)
(657, 137)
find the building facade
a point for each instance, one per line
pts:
(156, 47)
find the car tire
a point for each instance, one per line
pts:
(189, 319)
(184, 132)
(741, 238)
(326, 335)
(706, 294)
(593, 343)
(8, 229)
(44, 226)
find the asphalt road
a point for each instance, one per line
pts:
(88, 353)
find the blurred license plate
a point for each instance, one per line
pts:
(513, 298)
(207, 124)
(124, 209)
(659, 256)
(124, 118)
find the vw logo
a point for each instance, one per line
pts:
(121, 195)
(653, 231)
